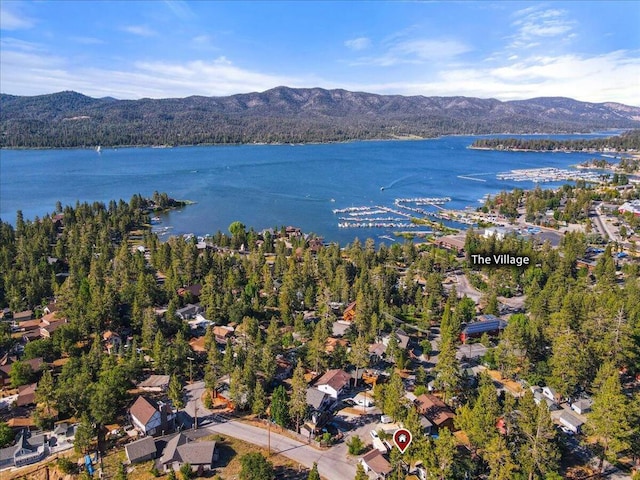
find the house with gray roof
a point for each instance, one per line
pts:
(570, 421)
(582, 405)
(180, 450)
(189, 311)
(318, 400)
(141, 450)
(27, 450)
(155, 383)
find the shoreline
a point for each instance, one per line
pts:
(630, 154)
(397, 138)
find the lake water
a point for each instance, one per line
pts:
(266, 185)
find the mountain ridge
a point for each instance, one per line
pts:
(285, 114)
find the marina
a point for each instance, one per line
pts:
(549, 174)
(412, 209)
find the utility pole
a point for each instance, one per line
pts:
(195, 414)
(190, 369)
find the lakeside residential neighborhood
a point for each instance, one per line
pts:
(126, 357)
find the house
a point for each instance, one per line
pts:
(22, 316)
(426, 425)
(376, 352)
(498, 232)
(338, 328)
(373, 462)
(284, 368)
(5, 370)
(582, 405)
(192, 291)
(490, 325)
(198, 345)
(222, 334)
(435, 410)
(27, 450)
(179, 450)
(155, 383)
(334, 382)
(26, 395)
(551, 394)
(539, 397)
(349, 313)
(189, 311)
(141, 450)
(319, 410)
(151, 417)
(332, 343)
(112, 341)
(199, 324)
(570, 421)
(317, 400)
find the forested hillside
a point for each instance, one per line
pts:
(69, 119)
(628, 141)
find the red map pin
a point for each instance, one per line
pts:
(402, 439)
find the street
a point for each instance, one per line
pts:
(332, 463)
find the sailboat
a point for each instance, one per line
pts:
(98, 149)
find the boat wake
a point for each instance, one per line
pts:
(468, 177)
(395, 182)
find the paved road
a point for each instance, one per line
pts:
(332, 463)
(464, 287)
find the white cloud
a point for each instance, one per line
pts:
(602, 78)
(11, 20)
(26, 73)
(140, 30)
(416, 51)
(87, 40)
(203, 42)
(10, 43)
(534, 24)
(358, 44)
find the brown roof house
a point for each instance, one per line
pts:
(179, 450)
(152, 418)
(373, 462)
(5, 370)
(334, 382)
(435, 410)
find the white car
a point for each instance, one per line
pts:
(385, 419)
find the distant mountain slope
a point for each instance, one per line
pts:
(282, 114)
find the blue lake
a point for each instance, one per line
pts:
(266, 185)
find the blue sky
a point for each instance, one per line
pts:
(506, 50)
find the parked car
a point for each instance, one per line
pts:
(385, 419)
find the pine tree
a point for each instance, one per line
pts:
(359, 355)
(360, 473)
(298, 401)
(279, 406)
(609, 418)
(259, 406)
(313, 473)
(447, 369)
(539, 454)
(175, 392)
